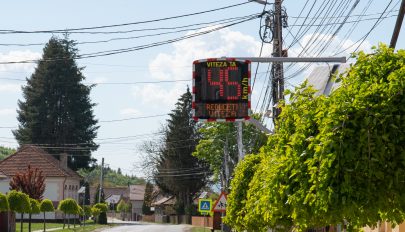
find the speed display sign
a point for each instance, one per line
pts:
(221, 90)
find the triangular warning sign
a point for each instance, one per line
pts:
(205, 206)
(220, 204)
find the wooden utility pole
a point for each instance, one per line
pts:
(398, 25)
(101, 181)
(277, 84)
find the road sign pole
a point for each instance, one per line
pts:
(240, 140)
(222, 221)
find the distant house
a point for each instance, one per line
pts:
(61, 182)
(164, 205)
(136, 196)
(321, 78)
(122, 192)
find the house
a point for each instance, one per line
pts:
(61, 182)
(321, 78)
(123, 192)
(164, 205)
(136, 196)
(113, 201)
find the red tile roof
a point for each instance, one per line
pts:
(37, 158)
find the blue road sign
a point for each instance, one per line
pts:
(204, 205)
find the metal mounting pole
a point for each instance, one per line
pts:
(240, 141)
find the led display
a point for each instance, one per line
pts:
(221, 89)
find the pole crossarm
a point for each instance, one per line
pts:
(293, 59)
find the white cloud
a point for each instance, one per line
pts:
(216, 44)
(7, 112)
(130, 112)
(336, 45)
(15, 56)
(10, 88)
(159, 97)
(224, 42)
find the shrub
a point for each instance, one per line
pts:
(3, 203)
(46, 206)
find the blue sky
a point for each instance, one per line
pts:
(119, 141)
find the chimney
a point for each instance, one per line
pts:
(63, 159)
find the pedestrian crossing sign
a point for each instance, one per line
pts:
(204, 205)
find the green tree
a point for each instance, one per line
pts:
(147, 200)
(112, 178)
(68, 206)
(79, 212)
(218, 144)
(31, 182)
(87, 213)
(19, 202)
(5, 151)
(330, 156)
(176, 170)
(34, 210)
(121, 208)
(4, 206)
(95, 212)
(56, 109)
(46, 206)
(128, 210)
(102, 218)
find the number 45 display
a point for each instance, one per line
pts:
(221, 90)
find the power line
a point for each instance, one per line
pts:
(132, 49)
(354, 15)
(228, 20)
(72, 30)
(133, 118)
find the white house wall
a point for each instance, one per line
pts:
(4, 185)
(56, 189)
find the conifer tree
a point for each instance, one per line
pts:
(178, 172)
(56, 111)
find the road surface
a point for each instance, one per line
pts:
(150, 228)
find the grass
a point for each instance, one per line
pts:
(36, 226)
(202, 229)
(87, 228)
(90, 226)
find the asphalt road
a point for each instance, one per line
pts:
(149, 228)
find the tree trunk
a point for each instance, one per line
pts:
(68, 221)
(44, 223)
(21, 226)
(29, 222)
(74, 221)
(64, 220)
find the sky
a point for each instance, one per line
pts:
(130, 112)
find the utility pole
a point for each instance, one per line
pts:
(277, 84)
(398, 25)
(101, 180)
